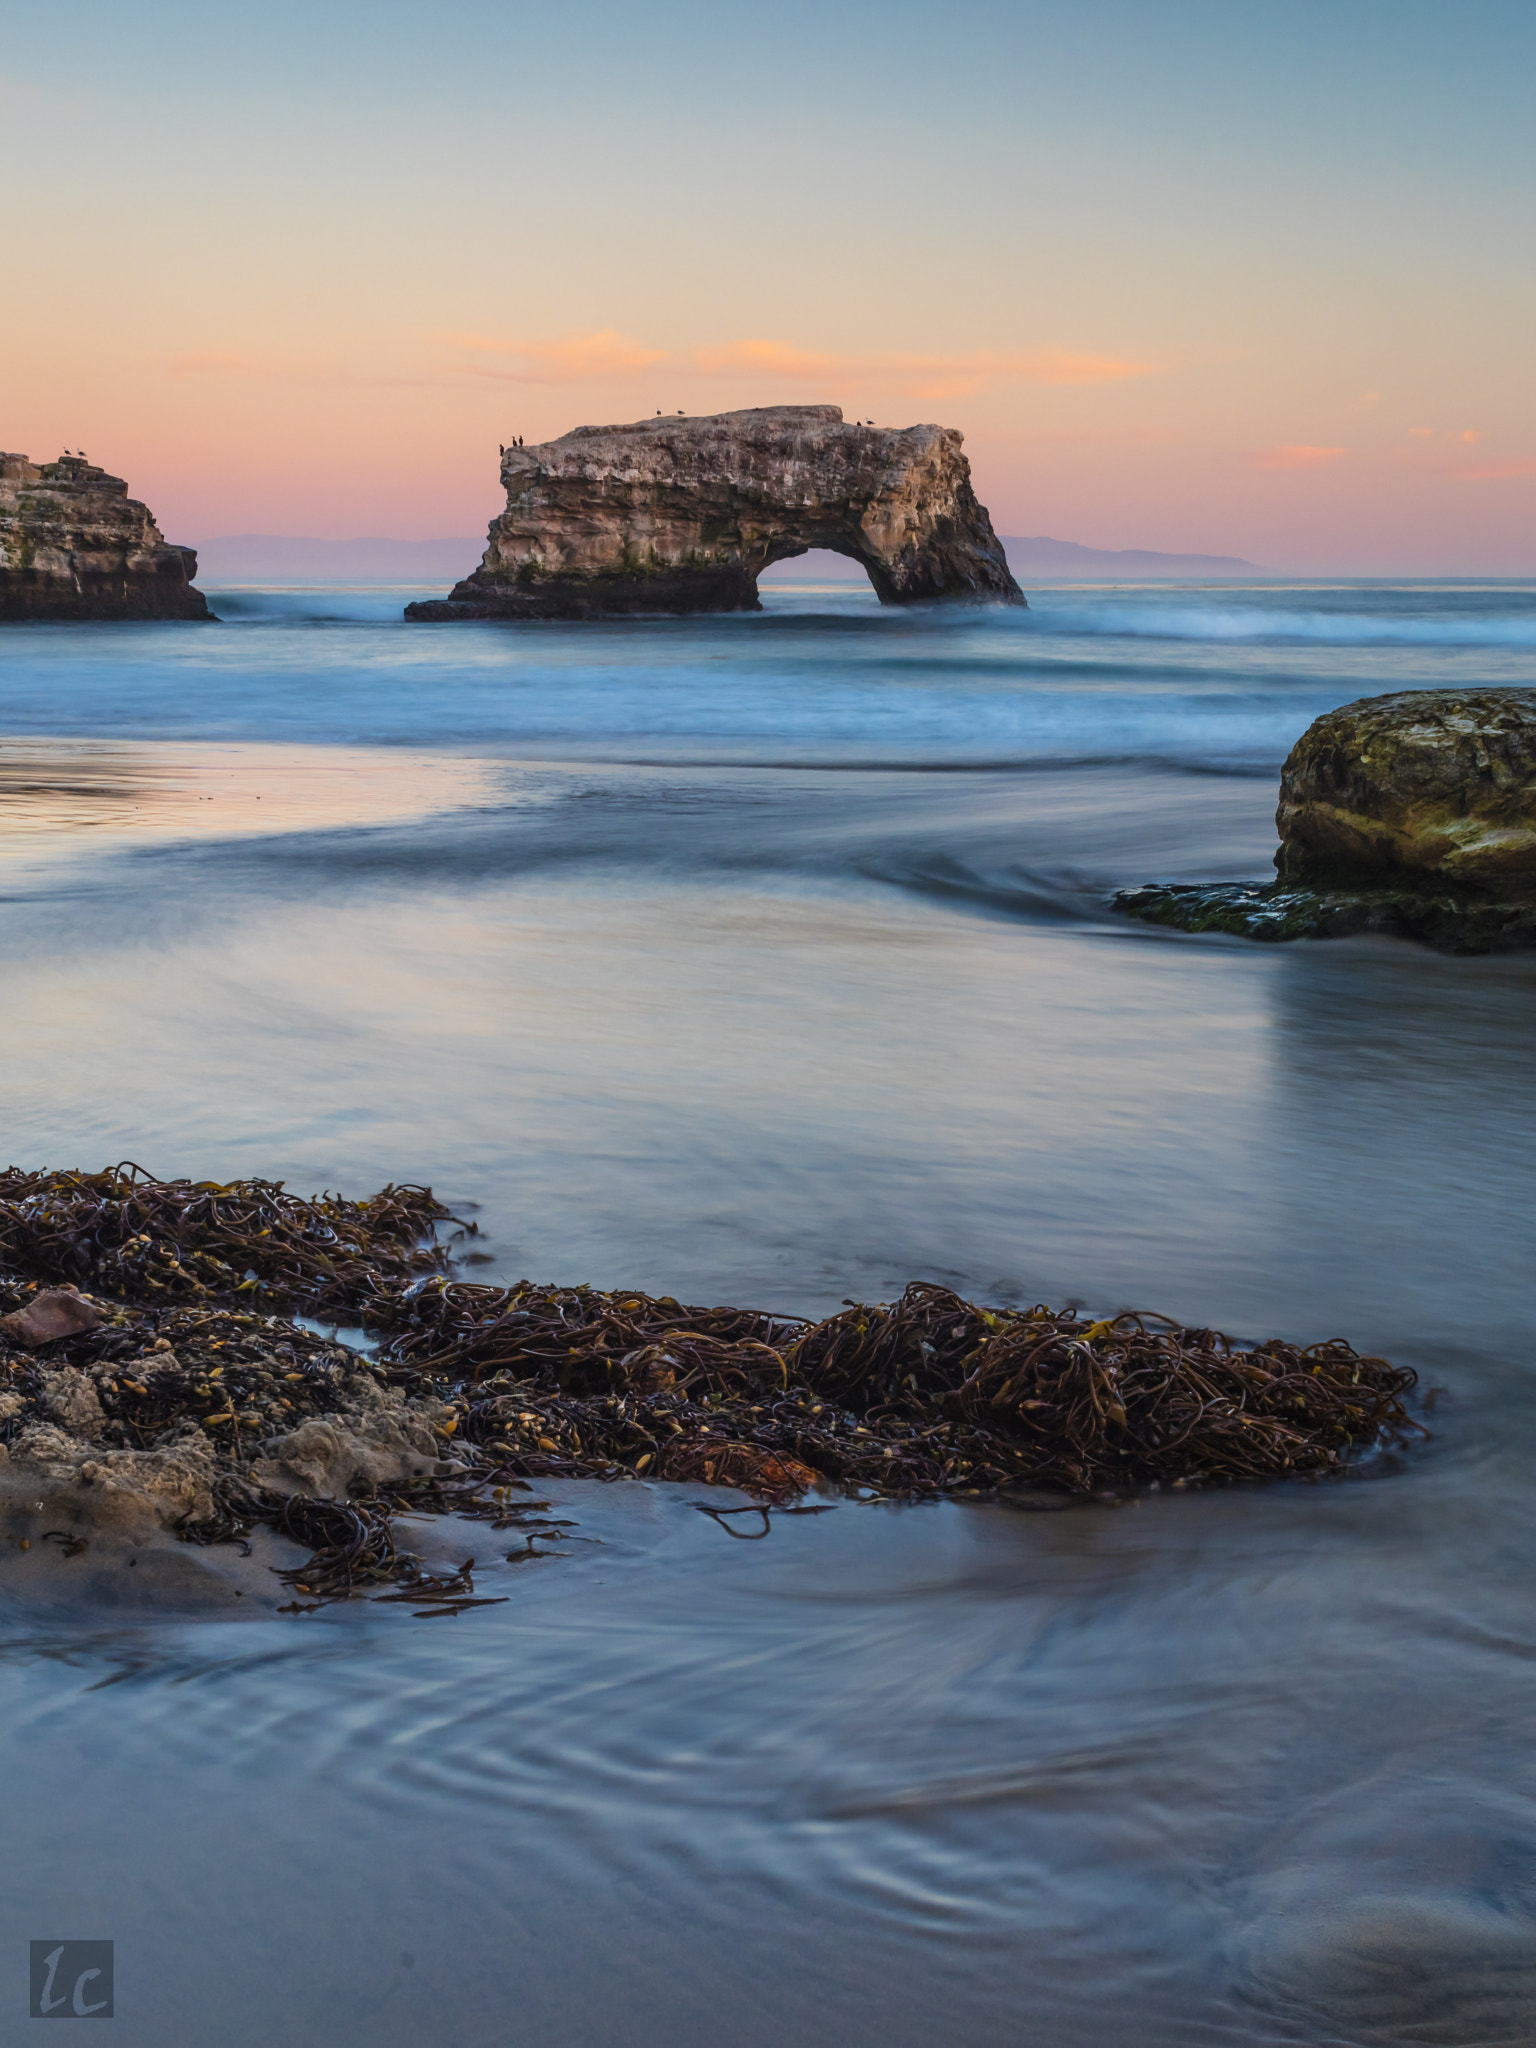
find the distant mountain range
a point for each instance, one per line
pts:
(287, 557)
(1039, 555)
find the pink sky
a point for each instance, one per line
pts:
(1180, 291)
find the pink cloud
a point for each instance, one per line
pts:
(1491, 472)
(1296, 455)
(607, 356)
(925, 376)
(583, 358)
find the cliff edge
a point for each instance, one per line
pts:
(684, 514)
(74, 545)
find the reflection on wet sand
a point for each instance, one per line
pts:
(110, 790)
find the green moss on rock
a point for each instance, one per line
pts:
(1276, 911)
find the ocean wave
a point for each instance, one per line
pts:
(1399, 617)
(363, 604)
(1238, 623)
(1178, 679)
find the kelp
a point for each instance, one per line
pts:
(127, 1233)
(929, 1396)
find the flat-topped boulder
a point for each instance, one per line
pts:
(678, 515)
(1423, 788)
(74, 545)
(1412, 814)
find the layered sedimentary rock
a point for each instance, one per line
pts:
(74, 545)
(1412, 814)
(683, 515)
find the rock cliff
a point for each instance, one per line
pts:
(683, 515)
(74, 545)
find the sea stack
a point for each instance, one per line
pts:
(74, 545)
(683, 515)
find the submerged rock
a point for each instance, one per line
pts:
(1412, 814)
(74, 545)
(1423, 789)
(683, 515)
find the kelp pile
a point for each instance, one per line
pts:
(926, 1397)
(127, 1233)
(931, 1395)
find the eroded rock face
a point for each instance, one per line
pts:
(74, 545)
(1425, 789)
(683, 515)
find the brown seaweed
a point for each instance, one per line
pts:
(127, 1233)
(929, 1396)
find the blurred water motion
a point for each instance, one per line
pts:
(767, 961)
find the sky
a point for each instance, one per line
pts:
(1253, 279)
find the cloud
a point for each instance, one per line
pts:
(1493, 472)
(583, 358)
(605, 356)
(609, 357)
(923, 376)
(1295, 455)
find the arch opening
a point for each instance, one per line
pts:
(840, 561)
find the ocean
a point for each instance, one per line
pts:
(767, 960)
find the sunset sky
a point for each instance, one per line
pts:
(1255, 279)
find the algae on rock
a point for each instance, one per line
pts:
(1422, 788)
(1411, 815)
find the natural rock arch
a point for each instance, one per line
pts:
(683, 515)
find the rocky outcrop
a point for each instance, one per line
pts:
(74, 545)
(1424, 789)
(1274, 911)
(1412, 814)
(683, 515)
